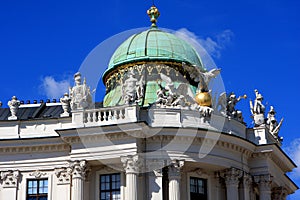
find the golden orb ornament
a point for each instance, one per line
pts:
(203, 99)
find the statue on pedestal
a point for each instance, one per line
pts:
(273, 124)
(80, 94)
(13, 105)
(258, 109)
(227, 106)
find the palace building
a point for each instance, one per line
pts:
(159, 134)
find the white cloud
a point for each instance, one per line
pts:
(212, 46)
(54, 89)
(293, 151)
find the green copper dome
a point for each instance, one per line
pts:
(153, 45)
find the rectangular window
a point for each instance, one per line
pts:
(198, 188)
(110, 185)
(37, 189)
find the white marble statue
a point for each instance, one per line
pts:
(227, 105)
(171, 96)
(80, 94)
(133, 89)
(258, 109)
(13, 105)
(273, 124)
(65, 103)
(162, 95)
(203, 78)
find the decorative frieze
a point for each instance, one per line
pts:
(10, 178)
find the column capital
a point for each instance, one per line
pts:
(279, 193)
(175, 168)
(264, 182)
(10, 178)
(232, 176)
(63, 175)
(78, 169)
(131, 164)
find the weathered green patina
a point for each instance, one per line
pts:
(153, 45)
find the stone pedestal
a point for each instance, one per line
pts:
(260, 134)
(174, 179)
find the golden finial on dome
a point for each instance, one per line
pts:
(153, 14)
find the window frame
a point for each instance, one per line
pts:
(38, 195)
(110, 185)
(201, 175)
(205, 186)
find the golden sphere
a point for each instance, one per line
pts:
(203, 99)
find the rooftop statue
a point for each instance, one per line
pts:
(132, 89)
(13, 105)
(203, 96)
(80, 94)
(273, 124)
(65, 103)
(258, 109)
(203, 78)
(227, 106)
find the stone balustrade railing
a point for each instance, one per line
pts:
(105, 116)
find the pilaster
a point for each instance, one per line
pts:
(10, 180)
(247, 186)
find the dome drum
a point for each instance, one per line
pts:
(149, 74)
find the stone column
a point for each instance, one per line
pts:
(131, 166)
(232, 177)
(78, 175)
(174, 179)
(10, 180)
(279, 193)
(264, 186)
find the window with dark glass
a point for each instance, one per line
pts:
(198, 188)
(37, 189)
(110, 185)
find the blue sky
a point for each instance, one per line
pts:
(256, 43)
